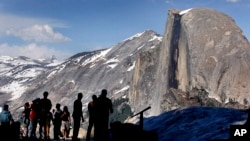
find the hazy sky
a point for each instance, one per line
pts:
(41, 28)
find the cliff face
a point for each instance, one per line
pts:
(144, 79)
(218, 55)
(201, 49)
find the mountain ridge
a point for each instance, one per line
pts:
(74, 75)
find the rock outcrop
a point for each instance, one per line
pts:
(201, 49)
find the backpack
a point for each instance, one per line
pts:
(5, 117)
(37, 105)
(58, 119)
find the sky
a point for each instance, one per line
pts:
(42, 28)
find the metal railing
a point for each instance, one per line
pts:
(141, 116)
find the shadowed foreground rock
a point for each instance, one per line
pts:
(119, 132)
(130, 132)
(14, 133)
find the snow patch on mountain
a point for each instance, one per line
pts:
(5, 59)
(76, 61)
(152, 47)
(61, 67)
(17, 72)
(16, 89)
(155, 37)
(28, 73)
(185, 11)
(113, 60)
(135, 36)
(96, 57)
(140, 47)
(16, 60)
(121, 90)
(131, 67)
(54, 64)
(112, 65)
(52, 73)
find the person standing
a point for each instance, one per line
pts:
(77, 116)
(23, 125)
(45, 102)
(104, 107)
(48, 119)
(57, 122)
(91, 110)
(66, 120)
(33, 118)
(45, 119)
(27, 110)
(46, 106)
(42, 126)
(6, 120)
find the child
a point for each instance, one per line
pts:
(24, 124)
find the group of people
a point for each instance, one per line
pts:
(99, 109)
(40, 112)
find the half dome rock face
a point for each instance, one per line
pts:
(201, 49)
(216, 54)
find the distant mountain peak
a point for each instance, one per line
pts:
(144, 33)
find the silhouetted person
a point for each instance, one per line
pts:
(77, 116)
(45, 102)
(91, 110)
(45, 120)
(103, 108)
(49, 119)
(57, 122)
(33, 118)
(42, 126)
(23, 124)
(66, 120)
(6, 120)
(26, 111)
(45, 108)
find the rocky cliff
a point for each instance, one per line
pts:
(202, 49)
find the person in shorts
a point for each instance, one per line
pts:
(66, 120)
